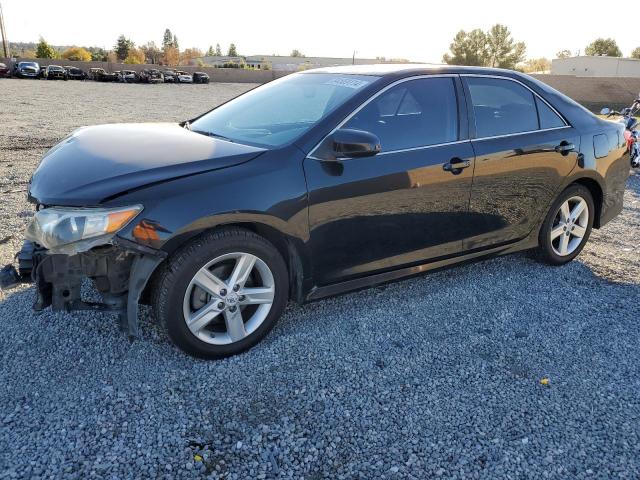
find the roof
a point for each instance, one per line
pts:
(382, 69)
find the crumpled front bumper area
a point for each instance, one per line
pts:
(119, 271)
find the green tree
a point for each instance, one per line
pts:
(468, 49)
(503, 51)
(167, 39)
(636, 53)
(494, 48)
(44, 50)
(175, 42)
(232, 51)
(97, 54)
(122, 47)
(603, 47)
(296, 53)
(563, 54)
(211, 52)
(218, 50)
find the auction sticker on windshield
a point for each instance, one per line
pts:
(347, 82)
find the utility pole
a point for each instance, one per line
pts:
(5, 44)
(353, 59)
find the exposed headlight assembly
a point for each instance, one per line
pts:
(73, 230)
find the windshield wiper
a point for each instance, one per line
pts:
(186, 125)
(214, 135)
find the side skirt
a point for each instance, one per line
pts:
(318, 293)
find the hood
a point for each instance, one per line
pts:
(97, 163)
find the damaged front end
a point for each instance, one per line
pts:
(64, 246)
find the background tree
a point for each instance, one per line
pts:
(636, 53)
(77, 53)
(167, 39)
(112, 57)
(190, 54)
(135, 57)
(563, 54)
(603, 46)
(122, 47)
(151, 52)
(468, 49)
(503, 51)
(211, 52)
(494, 48)
(218, 50)
(296, 53)
(537, 65)
(44, 50)
(171, 56)
(232, 51)
(175, 42)
(97, 54)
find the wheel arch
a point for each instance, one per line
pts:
(597, 194)
(289, 247)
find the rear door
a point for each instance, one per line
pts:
(523, 153)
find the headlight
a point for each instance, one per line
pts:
(73, 230)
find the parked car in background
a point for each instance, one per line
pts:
(184, 77)
(27, 70)
(128, 76)
(169, 76)
(75, 73)
(151, 75)
(4, 71)
(55, 72)
(200, 77)
(378, 173)
(100, 75)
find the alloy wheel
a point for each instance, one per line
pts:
(569, 226)
(229, 298)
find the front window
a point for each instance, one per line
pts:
(281, 111)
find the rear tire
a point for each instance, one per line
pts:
(567, 226)
(221, 294)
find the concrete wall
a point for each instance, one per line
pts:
(596, 67)
(229, 75)
(592, 92)
(595, 93)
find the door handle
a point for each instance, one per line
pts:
(456, 165)
(565, 148)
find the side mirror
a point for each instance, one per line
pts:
(605, 111)
(350, 143)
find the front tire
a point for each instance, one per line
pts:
(221, 294)
(567, 226)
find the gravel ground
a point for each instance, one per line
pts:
(437, 376)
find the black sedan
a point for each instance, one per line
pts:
(200, 77)
(55, 72)
(313, 185)
(75, 73)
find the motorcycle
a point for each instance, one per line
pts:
(630, 133)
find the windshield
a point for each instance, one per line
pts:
(27, 64)
(281, 111)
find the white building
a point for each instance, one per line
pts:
(585, 66)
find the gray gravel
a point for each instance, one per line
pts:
(435, 377)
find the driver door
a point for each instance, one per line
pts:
(401, 206)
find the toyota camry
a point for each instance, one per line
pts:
(319, 183)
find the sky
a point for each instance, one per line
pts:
(415, 30)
